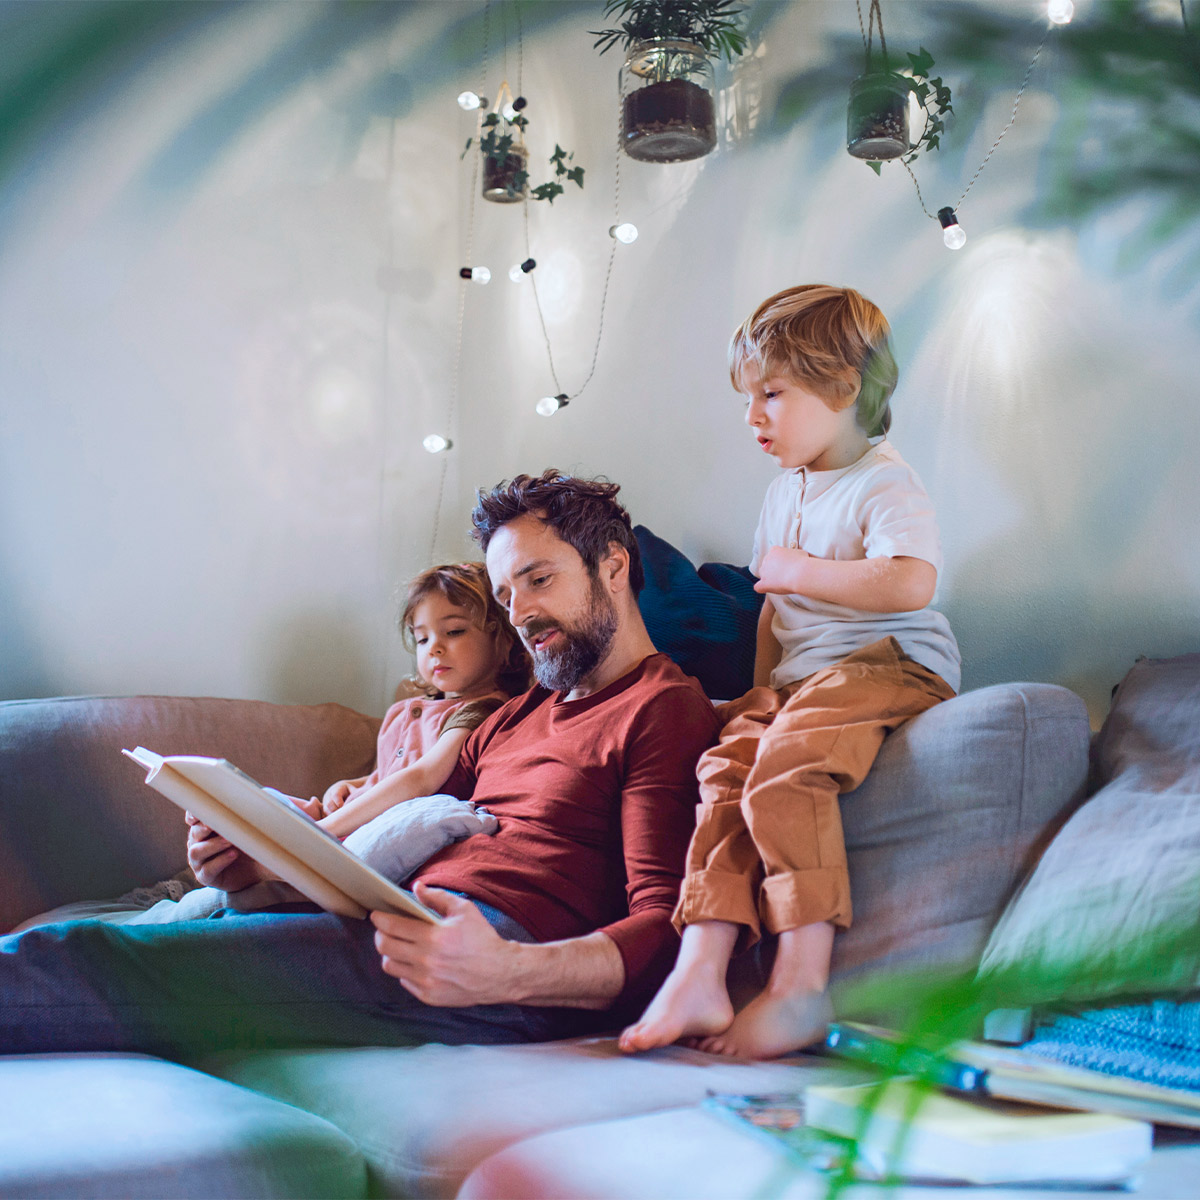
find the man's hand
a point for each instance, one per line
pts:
(216, 862)
(780, 571)
(459, 963)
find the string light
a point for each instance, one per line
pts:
(953, 233)
(1060, 12)
(547, 406)
(518, 271)
(436, 444)
(625, 232)
(469, 101)
(479, 275)
(510, 110)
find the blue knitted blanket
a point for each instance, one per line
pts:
(1157, 1042)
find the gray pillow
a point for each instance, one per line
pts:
(1113, 908)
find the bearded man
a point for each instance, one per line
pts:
(559, 923)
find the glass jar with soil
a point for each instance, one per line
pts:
(667, 110)
(505, 179)
(877, 116)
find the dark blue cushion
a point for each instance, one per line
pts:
(704, 620)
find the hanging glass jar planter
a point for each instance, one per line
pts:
(505, 178)
(667, 110)
(877, 116)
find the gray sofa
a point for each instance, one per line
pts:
(958, 806)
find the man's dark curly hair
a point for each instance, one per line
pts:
(583, 512)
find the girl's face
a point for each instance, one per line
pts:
(454, 654)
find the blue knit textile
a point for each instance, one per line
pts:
(1157, 1042)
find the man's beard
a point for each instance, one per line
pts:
(583, 646)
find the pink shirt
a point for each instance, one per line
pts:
(409, 730)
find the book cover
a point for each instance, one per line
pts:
(906, 1129)
(277, 834)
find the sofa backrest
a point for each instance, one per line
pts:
(77, 821)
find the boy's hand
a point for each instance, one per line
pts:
(781, 572)
(335, 796)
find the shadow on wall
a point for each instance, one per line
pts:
(316, 656)
(24, 669)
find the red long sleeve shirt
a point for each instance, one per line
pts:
(596, 802)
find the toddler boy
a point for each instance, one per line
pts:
(847, 552)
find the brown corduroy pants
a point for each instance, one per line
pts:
(768, 850)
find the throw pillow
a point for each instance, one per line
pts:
(704, 619)
(1112, 908)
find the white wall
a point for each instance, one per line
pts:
(228, 315)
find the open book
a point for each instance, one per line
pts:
(276, 834)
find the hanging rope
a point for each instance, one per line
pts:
(999, 137)
(558, 387)
(462, 293)
(874, 20)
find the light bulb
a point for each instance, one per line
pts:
(953, 233)
(508, 112)
(1060, 12)
(469, 101)
(625, 232)
(480, 275)
(435, 443)
(547, 406)
(518, 271)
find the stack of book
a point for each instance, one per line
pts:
(976, 1114)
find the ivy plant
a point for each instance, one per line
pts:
(497, 141)
(932, 95)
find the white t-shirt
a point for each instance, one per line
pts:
(874, 508)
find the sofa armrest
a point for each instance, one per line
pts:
(77, 822)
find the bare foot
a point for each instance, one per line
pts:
(775, 1022)
(692, 1003)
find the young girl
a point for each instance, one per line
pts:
(469, 662)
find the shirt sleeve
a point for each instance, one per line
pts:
(658, 816)
(471, 715)
(897, 518)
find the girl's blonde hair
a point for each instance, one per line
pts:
(466, 586)
(831, 340)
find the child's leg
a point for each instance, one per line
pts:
(719, 895)
(693, 1000)
(823, 742)
(724, 869)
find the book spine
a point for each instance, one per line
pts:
(899, 1058)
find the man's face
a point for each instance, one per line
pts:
(561, 612)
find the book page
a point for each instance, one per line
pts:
(276, 834)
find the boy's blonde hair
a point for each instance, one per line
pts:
(831, 340)
(466, 586)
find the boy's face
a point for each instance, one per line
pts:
(797, 428)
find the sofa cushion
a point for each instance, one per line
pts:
(77, 821)
(942, 829)
(1112, 908)
(98, 1125)
(704, 620)
(424, 1116)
